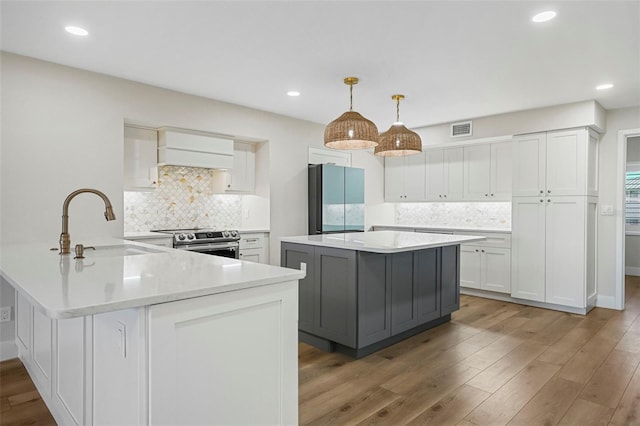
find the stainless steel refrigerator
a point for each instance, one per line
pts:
(336, 199)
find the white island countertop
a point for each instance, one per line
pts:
(125, 274)
(382, 241)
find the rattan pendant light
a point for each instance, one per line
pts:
(398, 140)
(351, 130)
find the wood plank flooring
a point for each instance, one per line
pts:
(495, 363)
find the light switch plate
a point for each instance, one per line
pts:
(607, 210)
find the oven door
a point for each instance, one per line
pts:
(227, 249)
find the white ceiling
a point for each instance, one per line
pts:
(453, 60)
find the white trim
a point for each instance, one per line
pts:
(505, 138)
(324, 156)
(620, 206)
(506, 298)
(632, 270)
(608, 302)
(8, 350)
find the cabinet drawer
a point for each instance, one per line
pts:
(249, 241)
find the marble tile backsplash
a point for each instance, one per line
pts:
(463, 215)
(183, 199)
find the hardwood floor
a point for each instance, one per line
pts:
(495, 363)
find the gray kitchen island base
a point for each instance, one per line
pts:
(357, 302)
(329, 346)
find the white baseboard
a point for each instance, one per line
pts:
(632, 270)
(608, 302)
(8, 350)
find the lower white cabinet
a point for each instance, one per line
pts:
(223, 359)
(159, 240)
(485, 268)
(554, 249)
(229, 358)
(254, 247)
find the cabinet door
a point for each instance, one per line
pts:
(470, 266)
(335, 295)
(140, 158)
(453, 173)
(242, 176)
(528, 165)
(394, 179)
(528, 248)
(404, 312)
(23, 326)
(427, 266)
(414, 177)
(496, 269)
(212, 357)
(477, 175)
(435, 175)
(374, 304)
(450, 280)
(297, 256)
(566, 157)
(251, 255)
(565, 251)
(501, 170)
(42, 351)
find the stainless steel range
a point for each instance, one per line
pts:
(207, 241)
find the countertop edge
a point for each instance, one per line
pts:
(446, 228)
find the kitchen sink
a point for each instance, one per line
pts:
(119, 250)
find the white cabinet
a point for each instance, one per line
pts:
(486, 265)
(554, 249)
(487, 172)
(229, 358)
(444, 175)
(240, 179)
(254, 247)
(178, 148)
(563, 162)
(140, 158)
(404, 178)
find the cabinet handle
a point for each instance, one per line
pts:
(476, 250)
(482, 251)
(542, 201)
(548, 191)
(445, 195)
(541, 191)
(548, 201)
(440, 195)
(486, 195)
(492, 195)
(251, 240)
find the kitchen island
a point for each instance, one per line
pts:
(141, 334)
(365, 291)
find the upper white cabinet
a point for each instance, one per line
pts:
(194, 150)
(405, 178)
(140, 158)
(242, 178)
(487, 172)
(444, 174)
(563, 162)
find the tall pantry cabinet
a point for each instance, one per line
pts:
(554, 214)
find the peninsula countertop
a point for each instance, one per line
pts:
(382, 241)
(125, 274)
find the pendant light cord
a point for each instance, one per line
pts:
(398, 110)
(350, 97)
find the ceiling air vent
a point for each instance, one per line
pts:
(461, 129)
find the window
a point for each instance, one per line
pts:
(632, 192)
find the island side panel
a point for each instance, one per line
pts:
(335, 290)
(298, 256)
(427, 266)
(450, 280)
(374, 298)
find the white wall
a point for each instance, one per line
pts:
(62, 129)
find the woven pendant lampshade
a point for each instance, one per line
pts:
(398, 140)
(351, 130)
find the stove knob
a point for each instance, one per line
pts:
(191, 237)
(181, 237)
(234, 234)
(225, 234)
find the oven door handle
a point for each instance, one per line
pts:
(209, 247)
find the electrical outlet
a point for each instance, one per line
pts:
(5, 314)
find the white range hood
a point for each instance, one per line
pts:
(177, 148)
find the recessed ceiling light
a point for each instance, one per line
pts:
(76, 31)
(604, 86)
(544, 16)
(293, 93)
